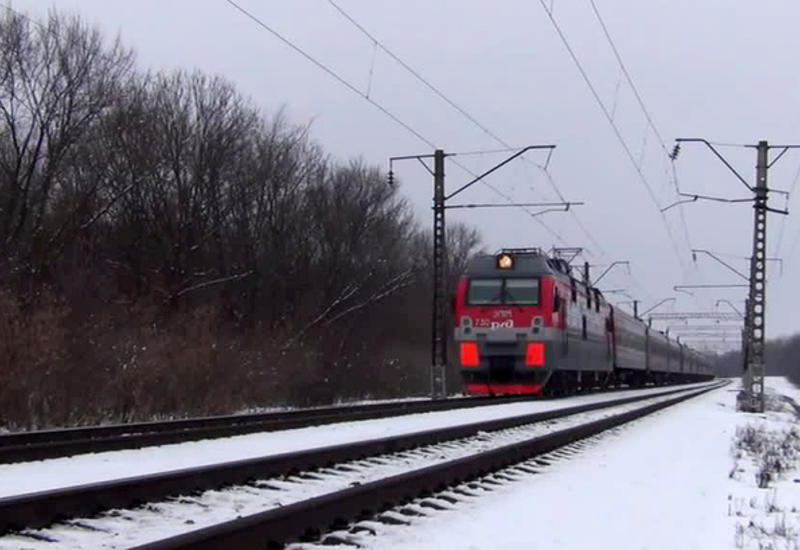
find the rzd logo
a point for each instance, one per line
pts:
(503, 324)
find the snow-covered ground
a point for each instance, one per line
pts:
(125, 528)
(698, 475)
(674, 480)
(37, 476)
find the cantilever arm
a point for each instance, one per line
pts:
(720, 157)
(683, 201)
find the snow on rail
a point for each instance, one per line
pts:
(21, 478)
(672, 480)
(121, 529)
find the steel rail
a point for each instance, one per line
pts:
(44, 444)
(309, 518)
(42, 508)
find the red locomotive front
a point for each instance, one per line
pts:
(524, 324)
(508, 322)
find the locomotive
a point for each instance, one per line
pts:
(525, 325)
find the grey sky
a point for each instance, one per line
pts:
(725, 70)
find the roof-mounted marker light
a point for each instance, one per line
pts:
(505, 261)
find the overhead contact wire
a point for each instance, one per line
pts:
(465, 114)
(646, 112)
(331, 73)
(614, 127)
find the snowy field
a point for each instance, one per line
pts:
(677, 480)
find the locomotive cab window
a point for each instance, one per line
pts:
(522, 292)
(485, 291)
(511, 291)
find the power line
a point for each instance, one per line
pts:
(628, 77)
(419, 77)
(380, 107)
(461, 111)
(331, 73)
(646, 112)
(613, 125)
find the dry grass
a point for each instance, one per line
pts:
(121, 362)
(773, 451)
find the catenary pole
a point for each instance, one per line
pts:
(758, 288)
(752, 399)
(439, 324)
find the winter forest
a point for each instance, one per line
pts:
(168, 249)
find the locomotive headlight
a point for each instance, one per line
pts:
(505, 261)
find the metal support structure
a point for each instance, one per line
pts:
(664, 301)
(758, 289)
(745, 347)
(439, 325)
(719, 260)
(682, 288)
(730, 304)
(681, 315)
(566, 253)
(611, 265)
(753, 343)
(717, 328)
(734, 334)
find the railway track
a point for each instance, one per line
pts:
(44, 444)
(499, 443)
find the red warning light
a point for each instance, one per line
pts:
(469, 354)
(534, 354)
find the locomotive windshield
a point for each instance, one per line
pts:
(508, 291)
(522, 291)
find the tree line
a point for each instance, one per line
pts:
(168, 249)
(781, 357)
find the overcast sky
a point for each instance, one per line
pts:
(722, 70)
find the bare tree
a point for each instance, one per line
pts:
(191, 254)
(57, 79)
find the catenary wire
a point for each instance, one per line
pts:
(615, 128)
(380, 107)
(462, 111)
(646, 112)
(330, 73)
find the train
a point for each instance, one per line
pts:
(525, 325)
